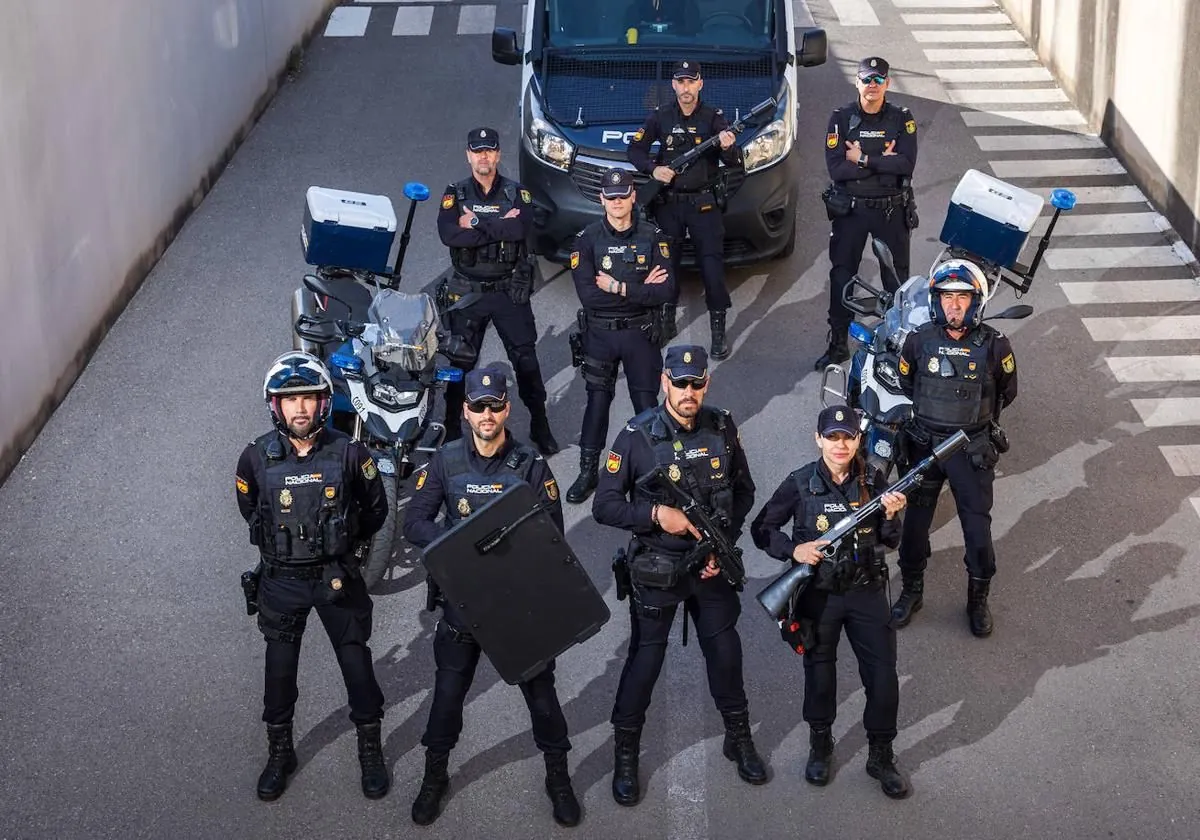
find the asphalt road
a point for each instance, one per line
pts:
(130, 678)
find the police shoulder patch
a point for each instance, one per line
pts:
(368, 469)
(911, 126)
(665, 250)
(447, 201)
(421, 476)
(526, 197)
(831, 141)
(552, 489)
(1008, 363)
(613, 464)
(904, 368)
(243, 486)
(639, 134)
(574, 259)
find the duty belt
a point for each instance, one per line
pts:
(500, 284)
(691, 196)
(627, 322)
(309, 572)
(883, 202)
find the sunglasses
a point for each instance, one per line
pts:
(873, 80)
(480, 406)
(687, 382)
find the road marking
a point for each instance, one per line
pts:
(944, 4)
(1055, 118)
(961, 19)
(381, 2)
(1065, 168)
(802, 16)
(1104, 224)
(1007, 96)
(348, 22)
(981, 55)
(413, 20)
(476, 20)
(994, 74)
(1037, 142)
(854, 12)
(1169, 411)
(1155, 368)
(1108, 195)
(1144, 328)
(1183, 460)
(1117, 257)
(967, 36)
(1131, 291)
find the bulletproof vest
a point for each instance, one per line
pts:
(496, 259)
(953, 386)
(468, 490)
(820, 506)
(628, 258)
(682, 133)
(698, 460)
(304, 506)
(873, 132)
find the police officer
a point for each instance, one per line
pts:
(688, 204)
(462, 476)
(701, 449)
(848, 591)
(959, 373)
(870, 150)
(621, 267)
(309, 494)
(484, 221)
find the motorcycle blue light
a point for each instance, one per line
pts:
(1062, 199)
(451, 374)
(861, 334)
(416, 191)
(346, 362)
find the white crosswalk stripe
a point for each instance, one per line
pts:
(854, 12)
(476, 20)
(956, 19)
(944, 4)
(802, 16)
(960, 75)
(1155, 368)
(1183, 460)
(1131, 291)
(967, 36)
(1037, 142)
(1144, 328)
(1128, 257)
(1050, 118)
(1109, 195)
(1103, 224)
(413, 18)
(980, 54)
(1169, 411)
(1019, 96)
(1071, 168)
(348, 22)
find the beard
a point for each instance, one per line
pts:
(299, 427)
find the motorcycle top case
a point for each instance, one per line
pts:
(990, 218)
(348, 230)
(522, 592)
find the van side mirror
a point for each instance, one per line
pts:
(504, 46)
(813, 48)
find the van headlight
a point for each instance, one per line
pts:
(542, 139)
(773, 143)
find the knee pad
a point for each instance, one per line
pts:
(601, 374)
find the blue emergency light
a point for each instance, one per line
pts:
(451, 374)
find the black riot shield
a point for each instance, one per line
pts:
(522, 592)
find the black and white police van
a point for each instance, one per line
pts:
(593, 69)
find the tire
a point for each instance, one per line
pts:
(379, 557)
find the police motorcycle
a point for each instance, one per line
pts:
(986, 227)
(379, 343)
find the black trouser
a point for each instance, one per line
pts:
(846, 246)
(456, 657)
(642, 360)
(714, 608)
(348, 625)
(518, 333)
(972, 489)
(707, 229)
(865, 614)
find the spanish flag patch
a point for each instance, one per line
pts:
(831, 141)
(613, 464)
(904, 368)
(447, 201)
(574, 259)
(1008, 363)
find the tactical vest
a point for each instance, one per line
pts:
(627, 258)
(873, 132)
(304, 507)
(682, 133)
(495, 260)
(467, 491)
(953, 386)
(819, 507)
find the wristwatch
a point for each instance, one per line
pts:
(474, 221)
(862, 162)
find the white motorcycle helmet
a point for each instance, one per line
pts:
(297, 372)
(958, 276)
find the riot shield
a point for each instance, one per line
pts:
(522, 592)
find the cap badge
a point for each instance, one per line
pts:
(487, 381)
(874, 63)
(615, 177)
(687, 357)
(838, 416)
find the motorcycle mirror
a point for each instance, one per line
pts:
(887, 263)
(1013, 313)
(318, 286)
(416, 191)
(838, 392)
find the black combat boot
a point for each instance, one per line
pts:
(558, 788)
(837, 352)
(910, 599)
(375, 780)
(716, 324)
(820, 756)
(977, 606)
(281, 762)
(589, 465)
(428, 804)
(539, 432)
(739, 747)
(881, 765)
(626, 743)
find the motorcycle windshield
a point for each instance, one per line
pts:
(402, 329)
(909, 310)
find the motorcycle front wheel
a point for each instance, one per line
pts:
(379, 557)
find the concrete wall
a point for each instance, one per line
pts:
(117, 117)
(1124, 63)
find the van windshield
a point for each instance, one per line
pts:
(725, 23)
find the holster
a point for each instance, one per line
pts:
(520, 287)
(250, 589)
(983, 453)
(433, 595)
(799, 633)
(998, 437)
(665, 325)
(575, 340)
(720, 191)
(620, 568)
(911, 219)
(837, 203)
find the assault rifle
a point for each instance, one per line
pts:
(712, 533)
(778, 594)
(649, 192)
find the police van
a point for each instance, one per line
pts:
(593, 69)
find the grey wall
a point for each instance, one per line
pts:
(117, 117)
(1124, 63)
